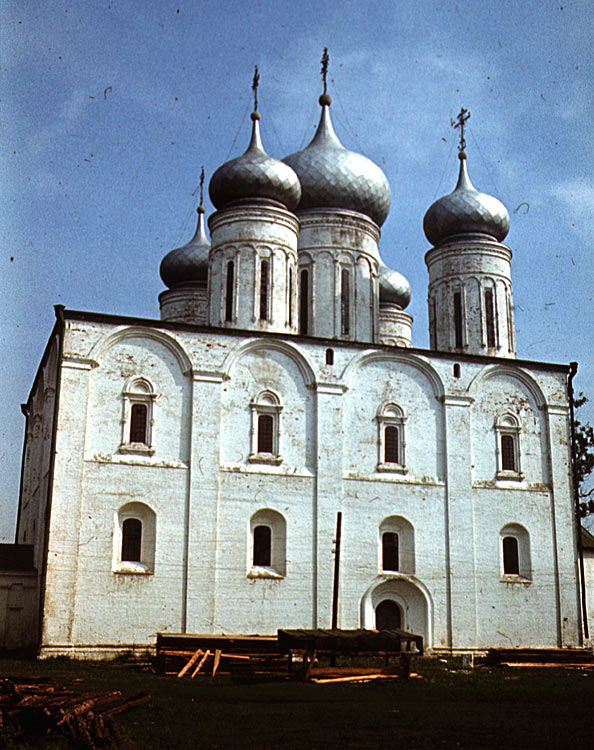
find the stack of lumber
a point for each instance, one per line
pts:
(39, 707)
(247, 656)
(580, 658)
(290, 654)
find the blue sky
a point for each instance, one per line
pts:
(110, 109)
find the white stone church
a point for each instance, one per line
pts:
(185, 474)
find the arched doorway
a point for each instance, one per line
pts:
(398, 596)
(388, 615)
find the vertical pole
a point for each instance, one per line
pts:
(336, 571)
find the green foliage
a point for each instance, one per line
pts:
(584, 458)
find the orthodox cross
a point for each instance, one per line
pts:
(255, 82)
(459, 122)
(201, 184)
(325, 59)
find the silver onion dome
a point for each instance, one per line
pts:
(188, 264)
(393, 287)
(255, 175)
(333, 177)
(465, 210)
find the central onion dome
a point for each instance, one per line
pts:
(393, 287)
(465, 210)
(255, 175)
(333, 177)
(188, 264)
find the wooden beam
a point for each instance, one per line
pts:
(201, 662)
(192, 660)
(217, 659)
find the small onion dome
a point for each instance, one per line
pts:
(188, 264)
(393, 287)
(332, 177)
(255, 175)
(465, 210)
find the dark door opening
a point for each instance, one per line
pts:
(388, 616)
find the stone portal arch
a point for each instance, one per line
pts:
(412, 598)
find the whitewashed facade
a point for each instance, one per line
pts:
(185, 475)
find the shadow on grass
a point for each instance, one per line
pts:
(447, 708)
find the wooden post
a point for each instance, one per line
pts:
(336, 571)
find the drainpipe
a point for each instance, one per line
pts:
(573, 367)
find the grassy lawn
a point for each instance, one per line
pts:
(448, 708)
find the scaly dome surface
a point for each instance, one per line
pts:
(333, 177)
(465, 210)
(393, 287)
(188, 264)
(255, 175)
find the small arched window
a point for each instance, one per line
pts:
(329, 356)
(508, 453)
(391, 440)
(397, 546)
(134, 539)
(490, 319)
(511, 556)
(515, 553)
(304, 302)
(262, 553)
(229, 291)
(507, 430)
(391, 443)
(264, 283)
(137, 423)
(345, 302)
(265, 433)
(131, 540)
(458, 321)
(390, 551)
(267, 554)
(266, 428)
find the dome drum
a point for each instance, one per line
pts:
(395, 326)
(336, 230)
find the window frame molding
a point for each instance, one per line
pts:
(267, 402)
(148, 519)
(139, 390)
(522, 537)
(391, 415)
(277, 524)
(508, 425)
(405, 532)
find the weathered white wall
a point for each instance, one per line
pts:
(204, 491)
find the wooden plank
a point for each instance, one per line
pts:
(217, 659)
(361, 678)
(246, 657)
(200, 663)
(193, 659)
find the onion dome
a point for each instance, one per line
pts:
(188, 264)
(465, 210)
(333, 177)
(393, 287)
(255, 175)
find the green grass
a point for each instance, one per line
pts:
(448, 708)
